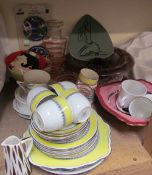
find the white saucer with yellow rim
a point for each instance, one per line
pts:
(101, 151)
(63, 138)
(73, 171)
(83, 140)
(71, 129)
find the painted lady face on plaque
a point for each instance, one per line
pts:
(24, 63)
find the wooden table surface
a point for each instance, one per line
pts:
(128, 156)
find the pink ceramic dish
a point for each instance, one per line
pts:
(107, 96)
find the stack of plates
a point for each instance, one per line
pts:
(66, 135)
(57, 153)
(86, 139)
(20, 104)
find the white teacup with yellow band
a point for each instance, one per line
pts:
(53, 114)
(89, 77)
(59, 87)
(35, 92)
(41, 97)
(79, 104)
(87, 82)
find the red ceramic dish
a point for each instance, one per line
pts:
(107, 96)
(13, 56)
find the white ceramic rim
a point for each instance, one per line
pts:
(89, 74)
(132, 103)
(123, 85)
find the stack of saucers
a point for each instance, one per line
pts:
(20, 104)
(69, 134)
(72, 150)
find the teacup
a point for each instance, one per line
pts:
(53, 114)
(79, 104)
(89, 77)
(141, 107)
(59, 87)
(36, 95)
(87, 82)
(34, 78)
(129, 90)
(41, 98)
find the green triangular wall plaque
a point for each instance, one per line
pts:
(89, 40)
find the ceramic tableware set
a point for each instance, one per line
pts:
(66, 131)
(74, 149)
(130, 101)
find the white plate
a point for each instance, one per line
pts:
(22, 112)
(25, 116)
(71, 154)
(76, 171)
(20, 94)
(101, 151)
(63, 133)
(63, 138)
(50, 145)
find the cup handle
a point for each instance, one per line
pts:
(123, 102)
(28, 143)
(22, 85)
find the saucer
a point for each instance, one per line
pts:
(20, 95)
(65, 146)
(100, 152)
(22, 113)
(107, 98)
(73, 171)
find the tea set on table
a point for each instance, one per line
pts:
(66, 135)
(65, 130)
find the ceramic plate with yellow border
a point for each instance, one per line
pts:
(83, 140)
(64, 138)
(101, 151)
(69, 130)
(73, 171)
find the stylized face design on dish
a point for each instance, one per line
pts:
(24, 63)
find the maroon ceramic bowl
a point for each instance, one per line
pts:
(114, 68)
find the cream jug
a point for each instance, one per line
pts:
(16, 157)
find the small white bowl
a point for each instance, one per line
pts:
(141, 107)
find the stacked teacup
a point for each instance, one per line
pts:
(58, 106)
